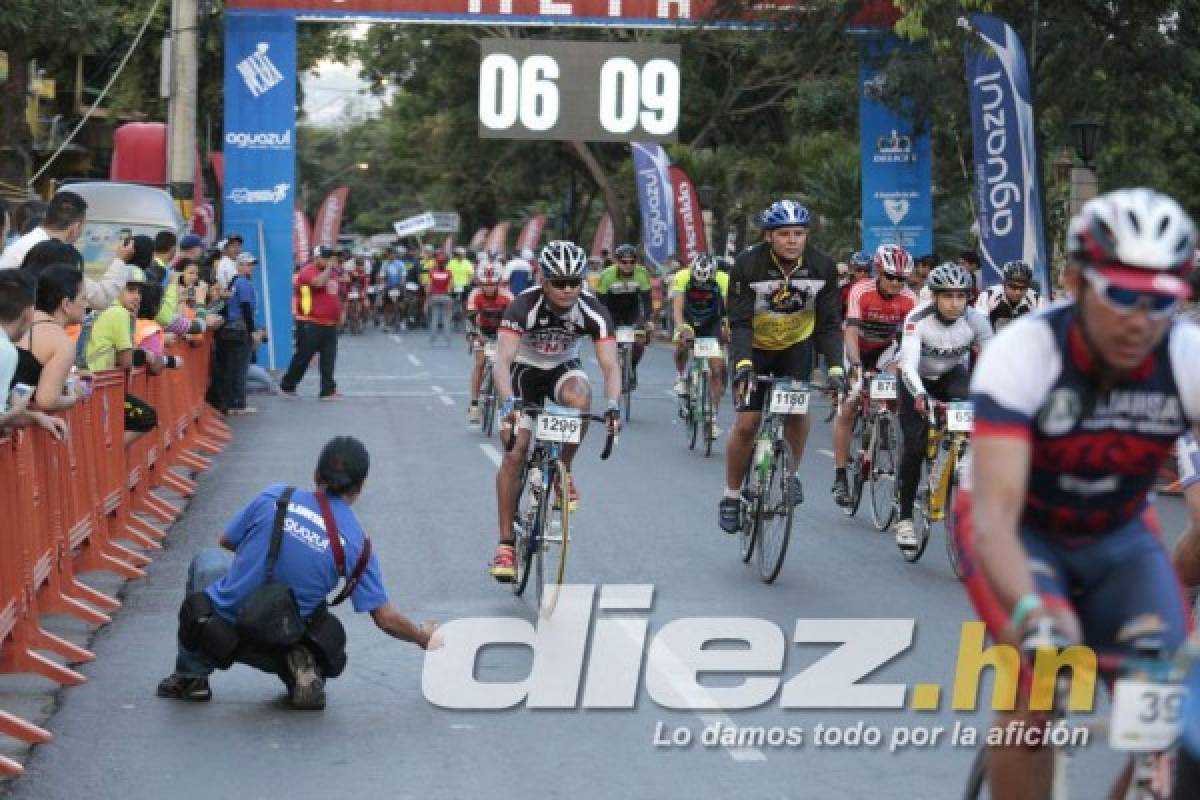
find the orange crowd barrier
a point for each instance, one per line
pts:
(74, 506)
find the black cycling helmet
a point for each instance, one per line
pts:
(949, 277)
(1017, 272)
(625, 251)
(562, 259)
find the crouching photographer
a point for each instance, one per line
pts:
(265, 603)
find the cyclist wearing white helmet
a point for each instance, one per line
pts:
(537, 360)
(875, 311)
(698, 306)
(1075, 409)
(939, 341)
(1013, 297)
(783, 300)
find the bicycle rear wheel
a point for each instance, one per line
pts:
(748, 530)
(556, 535)
(525, 523)
(884, 467)
(693, 411)
(775, 514)
(626, 379)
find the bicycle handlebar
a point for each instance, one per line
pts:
(534, 409)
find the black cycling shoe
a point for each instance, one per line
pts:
(729, 514)
(841, 491)
(797, 491)
(185, 687)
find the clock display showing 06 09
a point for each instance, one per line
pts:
(580, 91)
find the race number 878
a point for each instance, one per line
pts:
(626, 97)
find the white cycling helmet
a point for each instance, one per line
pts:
(893, 260)
(1140, 239)
(949, 277)
(704, 268)
(562, 259)
(527, 254)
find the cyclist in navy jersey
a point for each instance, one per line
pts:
(1075, 408)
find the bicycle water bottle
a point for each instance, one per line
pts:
(762, 456)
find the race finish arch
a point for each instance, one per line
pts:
(260, 101)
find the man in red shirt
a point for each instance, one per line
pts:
(485, 310)
(318, 311)
(875, 311)
(438, 303)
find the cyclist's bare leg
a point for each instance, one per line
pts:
(1021, 773)
(795, 430)
(476, 377)
(575, 392)
(740, 447)
(716, 381)
(681, 356)
(507, 483)
(843, 426)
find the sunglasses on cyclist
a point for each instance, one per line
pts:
(566, 283)
(1126, 301)
(1016, 287)
(889, 276)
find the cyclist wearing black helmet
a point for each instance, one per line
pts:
(624, 288)
(1013, 297)
(783, 298)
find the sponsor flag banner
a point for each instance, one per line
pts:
(448, 245)
(689, 218)
(302, 245)
(897, 180)
(478, 240)
(605, 239)
(258, 195)
(651, 167)
(329, 217)
(497, 239)
(1008, 202)
(531, 233)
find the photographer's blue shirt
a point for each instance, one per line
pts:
(305, 564)
(242, 292)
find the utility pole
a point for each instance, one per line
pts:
(181, 114)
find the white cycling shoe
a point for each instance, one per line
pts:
(906, 539)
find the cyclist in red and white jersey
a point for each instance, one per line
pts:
(485, 310)
(1075, 408)
(874, 313)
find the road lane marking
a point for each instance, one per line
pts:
(826, 453)
(446, 400)
(416, 362)
(395, 337)
(491, 452)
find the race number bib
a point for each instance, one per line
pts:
(353, 295)
(489, 349)
(707, 347)
(626, 335)
(1146, 717)
(394, 294)
(883, 387)
(789, 401)
(959, 417)
(553, 428)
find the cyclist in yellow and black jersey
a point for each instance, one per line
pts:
(783, 299)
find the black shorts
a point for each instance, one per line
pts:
(870, 360)
(709, 329)
(534, 385)
(794, 362)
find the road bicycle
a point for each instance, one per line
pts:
(487, 389)
(542, 521)
(877, 391)
(946, 449)
(1147, 715)
(696, 405)
(355, 312)
(393, 314)
(627, 336)
(767, 504)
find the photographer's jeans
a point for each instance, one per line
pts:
(207, 567)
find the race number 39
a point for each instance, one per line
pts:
(580, 91)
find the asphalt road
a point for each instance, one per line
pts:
(647, 517)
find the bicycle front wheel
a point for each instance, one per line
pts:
(488, 395)
(556, 535)
(525, 523)
(884, 454)
(775, 514)
(748, 530)
(922, 523)
(856, 466)
(707, 417)
(950, 524)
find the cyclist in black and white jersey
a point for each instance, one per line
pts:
(1013, 297)
(537, 360)
(938, 340)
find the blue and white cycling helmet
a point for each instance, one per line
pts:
(860, 260)
(783, 213)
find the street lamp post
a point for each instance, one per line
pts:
(1085, 139)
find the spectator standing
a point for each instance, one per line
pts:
(237, 337)
(165, 249)
(64, 221)
(16, 315)
(227, 268)
(319, 311)
(438, 303)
